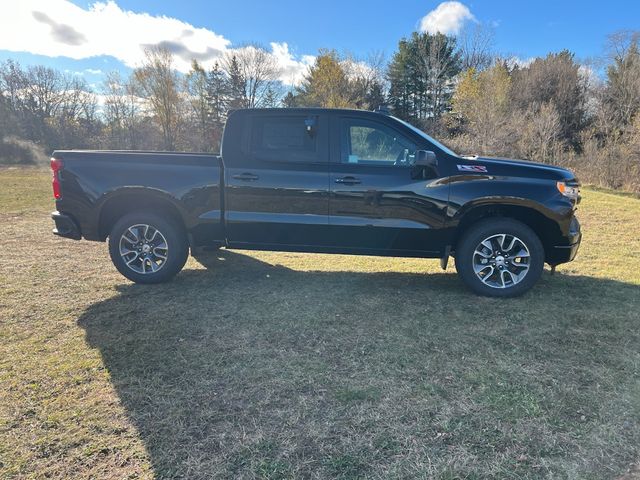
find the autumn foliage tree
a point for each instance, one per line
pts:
(551, 109)
(481, 109)
(325, 84)
(339, 82)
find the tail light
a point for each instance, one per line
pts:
(56, 167)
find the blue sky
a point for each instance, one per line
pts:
(92, 38)
(524, 28)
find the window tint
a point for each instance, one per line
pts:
(281, 138)
(370, 143)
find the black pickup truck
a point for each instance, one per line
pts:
(322, 180)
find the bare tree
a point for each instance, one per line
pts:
(44, 91)
(620, 43)
(258, 70)
(121, 111)
(115, 103)
(437, 64)
(554, 79)
(622, 92)
(13, 81)
(74, 98)
(366, 80)
(12, 84)
(476, 43)
(540, 135)
(196, 82)
(159, 83)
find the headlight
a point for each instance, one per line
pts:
(569, 191)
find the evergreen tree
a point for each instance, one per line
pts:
(421, 75)
(401, 86)
(270, 99)
(218, 97)
(374, 96)
(237, 85)
(290, 100)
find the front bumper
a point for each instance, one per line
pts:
(66, 226)
(566, 253)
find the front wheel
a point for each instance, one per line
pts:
(500, 258)
(147, 248)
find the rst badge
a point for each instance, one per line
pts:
(472, 168)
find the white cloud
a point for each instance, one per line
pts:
(520, 62)
(90, 71)
(357, 69)
(292, 69)
(447, 18)
(57, 28)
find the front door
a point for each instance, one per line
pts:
(277, 181)
(380, 202)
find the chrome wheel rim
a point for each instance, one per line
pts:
(501, 261)
(143, 248)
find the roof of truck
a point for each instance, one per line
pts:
(308, 109)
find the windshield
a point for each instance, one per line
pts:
(427, 137)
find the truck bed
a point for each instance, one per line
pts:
(98, 185)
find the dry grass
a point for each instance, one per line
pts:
(277, 365)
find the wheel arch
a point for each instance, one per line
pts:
(136, 200)
(543, 226)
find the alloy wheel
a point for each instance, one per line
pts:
(501, 261)
(143, 248)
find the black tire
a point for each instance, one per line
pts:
(175, 253)
(518, 279)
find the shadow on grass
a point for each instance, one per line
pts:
(245, 369)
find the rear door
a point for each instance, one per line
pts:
(380, 202)
(277, 193)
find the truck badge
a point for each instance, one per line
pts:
(472, 168)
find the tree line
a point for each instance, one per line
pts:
(551, 109)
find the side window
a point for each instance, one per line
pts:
(284, 138)
(370, 143)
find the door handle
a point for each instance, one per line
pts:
(246, 176)
(348, 180)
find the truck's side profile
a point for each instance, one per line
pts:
(322, 180)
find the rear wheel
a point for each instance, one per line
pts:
(500, 258)
(147, 248)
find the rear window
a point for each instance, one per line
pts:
(284, 138)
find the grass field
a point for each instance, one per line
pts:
(277, 365)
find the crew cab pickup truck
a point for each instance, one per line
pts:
(322, 180)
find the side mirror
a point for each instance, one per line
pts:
(426, 158)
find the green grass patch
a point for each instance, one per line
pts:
(282, 365)
(25, 190)
(350, 395)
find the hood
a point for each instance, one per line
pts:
(522, 168)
